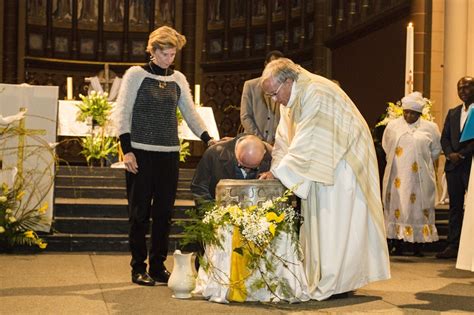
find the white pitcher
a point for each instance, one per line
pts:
(182, 280)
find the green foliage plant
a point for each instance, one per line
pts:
(97, 146)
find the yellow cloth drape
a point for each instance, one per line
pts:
(238, 270)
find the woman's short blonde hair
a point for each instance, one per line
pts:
(165, 37)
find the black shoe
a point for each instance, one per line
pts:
(161, 276)
(142, 278)
(447, 253)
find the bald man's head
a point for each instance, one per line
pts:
(249, 151)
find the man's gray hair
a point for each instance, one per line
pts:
(281, 69)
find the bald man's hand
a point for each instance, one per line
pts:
(266, 175)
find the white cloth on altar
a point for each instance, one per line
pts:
(354, 255)
(465, 258)
(38, 161)
(214, 285)
(69, 126)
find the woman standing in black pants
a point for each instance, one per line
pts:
(148, 128)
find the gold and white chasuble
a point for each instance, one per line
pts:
(409, 184)
(324, 148)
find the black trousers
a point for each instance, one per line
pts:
(151, 193)
(457, 180)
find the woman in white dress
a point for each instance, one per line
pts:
(411, 144)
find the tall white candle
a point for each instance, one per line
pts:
(69, 88)
(197, 94)
(409, 74)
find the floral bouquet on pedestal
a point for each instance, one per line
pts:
(265, 252)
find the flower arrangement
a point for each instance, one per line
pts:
(95, 107)
(258, 227)
(97, 146)
(257, 224)
(395, 110)
(17, 221)
(24, 187)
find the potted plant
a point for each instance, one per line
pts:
(97, 147)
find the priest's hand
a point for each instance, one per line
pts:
(130, 162)
(266, 175)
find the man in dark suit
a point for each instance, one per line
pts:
(458, 163)
(242, 157)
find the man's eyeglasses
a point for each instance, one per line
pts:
(248, 169)
(274, 94)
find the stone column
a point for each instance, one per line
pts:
(458, 59)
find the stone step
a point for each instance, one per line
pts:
(106, 192)
(62, 242)
(103, 181)
(102, 172)
(107, 208)
(94, 225)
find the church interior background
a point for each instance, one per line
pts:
(359, 43)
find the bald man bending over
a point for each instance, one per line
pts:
(242, 157)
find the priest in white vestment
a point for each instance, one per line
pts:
(412, 145)
(324, 150)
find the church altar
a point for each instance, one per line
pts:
(68, 126)
(230, 272)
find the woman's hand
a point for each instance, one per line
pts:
(130, 163)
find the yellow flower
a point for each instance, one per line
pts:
(29, 234)
(12, 219)
(8, 211)
(235, 211)
(272, 228)
(43, 208)
(41, 244)
(20, 195)
(271, 216)
(3, 198)
(2, 229)
(408, 230)
(252, 208)
(4, 188)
